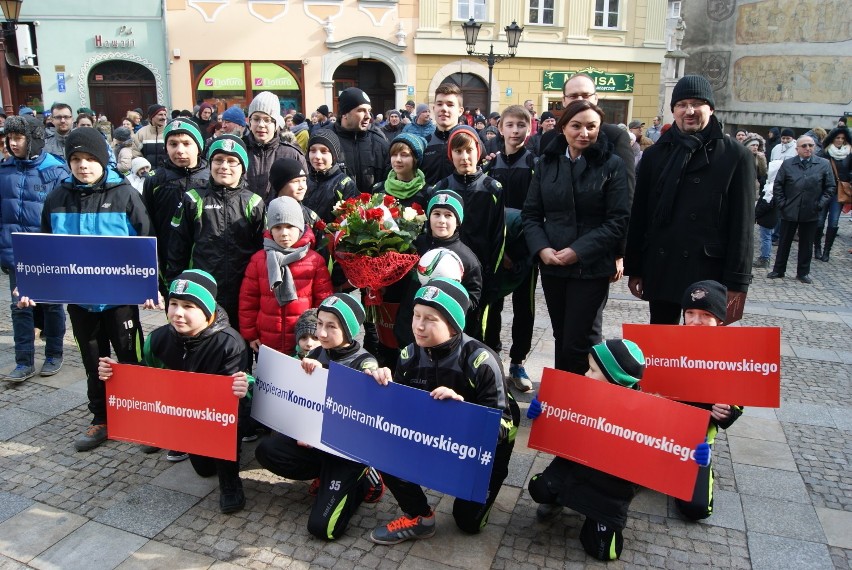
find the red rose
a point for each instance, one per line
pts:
(388, 200)
(375, 214)
(320, 225)
(417, 208)
(364, 197)
(394, 213)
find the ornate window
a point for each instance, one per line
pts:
(475, 9)
(606, 14)
(541, 12)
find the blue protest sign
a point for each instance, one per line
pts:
(441, 444)
(85, 270)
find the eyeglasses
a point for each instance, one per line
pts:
(62, 117)
(262, 120)
(575, 96)
(684, 105)
(806, 145)
(229, 162)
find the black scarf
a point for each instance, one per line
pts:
(685, 146)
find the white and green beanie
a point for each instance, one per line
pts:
(198, 287)
(621, 361)
(448, 297)
(348, 311)
(231, 145)
(450, 200)
(184, 127)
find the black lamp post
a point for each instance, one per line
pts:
(513, 37)
(11, 12)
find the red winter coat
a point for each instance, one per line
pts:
(261, 317)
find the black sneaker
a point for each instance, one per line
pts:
(232, 501)
(176, 456)
(377, 487)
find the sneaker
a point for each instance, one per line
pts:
(176, 456)
(377, 486)
(232, 498)
(404, 528)
(250, 438)
(546, 513)
(313, 490)
(51, 366)
(762, 263)
(94, 436)
(20, 373)
(519, 377)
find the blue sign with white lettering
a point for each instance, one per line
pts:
(60, 82)
(86, 270)
(445, 445)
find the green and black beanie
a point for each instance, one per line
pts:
(184, 127)
(450, 200)
(231, 145)
(348, 311)
(198, 287)
(621, 361)
(710, 296)
(448, 297)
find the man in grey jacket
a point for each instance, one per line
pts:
(803, 187)
(63, 121)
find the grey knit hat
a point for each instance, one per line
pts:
(266, 102)
(285, 210)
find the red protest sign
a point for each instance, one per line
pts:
(729, 365)
(196, 413)
(639, 437)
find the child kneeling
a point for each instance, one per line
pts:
(199, 338)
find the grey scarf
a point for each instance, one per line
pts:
(280, 278)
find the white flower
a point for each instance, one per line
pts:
(409, 214)
(420, 219)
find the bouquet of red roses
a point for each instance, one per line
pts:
(372, 238)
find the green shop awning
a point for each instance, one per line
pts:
(272, 77)
(224, 77)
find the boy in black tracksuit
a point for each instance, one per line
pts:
(485, 231)
(603, 498)
(705, 304)
(339, 484)
(513, 168)
(219, 227)
(162, 192)
(449, 364)
(199, 339)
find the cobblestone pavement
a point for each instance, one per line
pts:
(783, 494)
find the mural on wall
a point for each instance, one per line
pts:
(720, 10)
(714, 66)
(780, 21)
(794, 79)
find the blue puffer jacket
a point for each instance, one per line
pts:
(24, 185)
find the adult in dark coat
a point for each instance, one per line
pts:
(693, 211)
(364, 145)
(837, 150)
(575, 219)
(803, 187)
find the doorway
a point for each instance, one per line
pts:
(474, 91)
(373, 77)
(118, 86)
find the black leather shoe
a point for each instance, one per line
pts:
(774, 275)
(805, 279)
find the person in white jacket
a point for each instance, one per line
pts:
(139, 169)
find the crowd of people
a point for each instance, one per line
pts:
(238, 202)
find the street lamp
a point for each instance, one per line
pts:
(11, 12)
(513, 37)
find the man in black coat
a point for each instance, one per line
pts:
(693, 210)
(364, 145)
(803, 186)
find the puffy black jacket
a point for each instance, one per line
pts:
(261, 157)
(585, 206)
(365, 154)
(327, 188)
(162, 194)
(351, 356)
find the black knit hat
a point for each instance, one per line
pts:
(283, 171)
(154, 109)
(545, 116)
(621, 361)
(350, 98)
(348, 311)
(184, 127)
(710, 296)
(307, 324)
(197, 287)
(693, 87)
(329, 139)
(788, 132)
(122, 134)
(88, 140)
(31, 128)
(323, 110)
(448, 297)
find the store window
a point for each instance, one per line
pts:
(475, 9)
(237, 82)
(615, 110)
(606, 14)
(541, 12)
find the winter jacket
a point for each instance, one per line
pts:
(514, 173)
(352, 356)
(217, 229)
(218, 349)
(802, 191)
(390, 131)
(123, 157)
(110, 207)
(302, 134)
(844, 166)
(24, 186)
(584, 205)
(261, 157)
(424, 131)
(365, 155)
(469, 368)
(261, 317)
(436, 164)
(327, 188)
(148, 142)
(710, 235)
(55, 144)
(484, 227)
(162, 193)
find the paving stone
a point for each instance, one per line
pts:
(845, 356)
(182, 477)
(9, 564)
(842, 418)
(774, 552)
(821, 316)
(18, 536)
(782, 518)
(758, 413)
(69, 374)
(650, 502)
(809, 414)
(755, 428)
(15, 420)
(155, 555)
(451, 546)
(93, 546)
(771, 483)
(147, 510)
(761, 453)
(727, 511)
(837, 526)
(816, 353)
(12, 504)
(519, 468)
(55, 403)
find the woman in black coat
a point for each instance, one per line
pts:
(575, 221)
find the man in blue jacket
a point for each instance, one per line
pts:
(26, 178)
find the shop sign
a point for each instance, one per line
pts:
(604, 82)
(272, 76)
(229, 76)
(100, 42)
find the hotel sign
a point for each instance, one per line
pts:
(604, 82)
